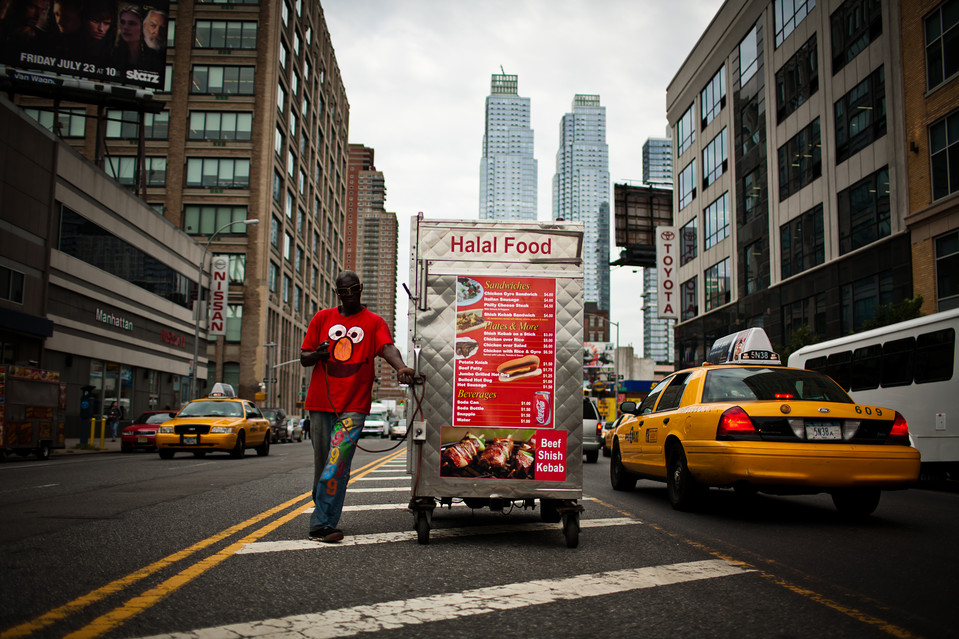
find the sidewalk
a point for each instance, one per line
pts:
(73, 447)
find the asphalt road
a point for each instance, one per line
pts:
(120, 545)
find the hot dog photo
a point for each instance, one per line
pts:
(519, 368)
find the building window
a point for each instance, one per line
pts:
(942, 43)
(716, 221)
(810, 312)
(861, 116)
(216, 80)
(715, 159)
(688, 307)
(797, 80)
(125, 125)
(221, 125)
(686, 130)
(788, 14)
(287, 246)
(864, 212)
(800, 160)
(947, 271)
(753, 259)
(278, 141)
(944, 147)
(752, 196)
(11, 285)
(95, 245)
(271, 277)
(231, 374)
(226, 173)
(855, 24)
(205, 219)
(802, 242)
(858, 301)
(713, 97)
(687, 185)
(71, 123)
(275, 232)
(123, 170)
(277, 186)
(688, 242)
(170, 33)
(750, 127)
(716, 283)
(234, 321)
(748, 56)
(287, 283)
(225, 34)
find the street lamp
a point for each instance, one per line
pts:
(196, 309)
(616, 356)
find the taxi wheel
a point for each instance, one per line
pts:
(264, 449)
(856, 502)
(619, 477)
(166, 454)
(238, 450)
(685, 493)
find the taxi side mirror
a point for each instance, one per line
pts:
(628, 407)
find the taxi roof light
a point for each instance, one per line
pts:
(734, 421)
(751, 346)
(222, 390)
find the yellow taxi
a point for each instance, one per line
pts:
(219, 422)
(742, 420)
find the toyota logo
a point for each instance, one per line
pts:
(667, 235)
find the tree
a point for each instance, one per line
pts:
(802, 336)
(893, 314)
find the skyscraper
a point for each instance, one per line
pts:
(371, 250)
(508, 171)
(658, 161)
(581, 189)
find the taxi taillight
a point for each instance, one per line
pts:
(899, 433)
(734, 422)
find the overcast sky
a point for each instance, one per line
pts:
(417, 73)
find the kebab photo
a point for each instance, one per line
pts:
(502, 457)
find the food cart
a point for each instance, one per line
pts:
(496, 339)
(32, 407)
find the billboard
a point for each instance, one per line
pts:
(109, 41)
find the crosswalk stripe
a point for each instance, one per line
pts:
(373, 477)
(390, 615)
(436, 533)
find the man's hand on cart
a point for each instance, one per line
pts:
(406, 375)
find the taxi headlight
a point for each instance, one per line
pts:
(221, 429)
(165, 429)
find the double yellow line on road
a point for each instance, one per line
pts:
(136, 605)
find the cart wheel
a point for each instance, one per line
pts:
(43, 451)
(422, 528)
(571, 529)
(549, 512)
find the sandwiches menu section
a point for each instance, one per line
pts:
(504, 353)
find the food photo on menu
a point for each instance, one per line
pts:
(490, 453)
(468, 291)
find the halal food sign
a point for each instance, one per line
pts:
(666, 251)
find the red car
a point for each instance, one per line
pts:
(141, 434)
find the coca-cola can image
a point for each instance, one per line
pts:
(542, 408)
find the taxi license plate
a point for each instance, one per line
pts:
(190, 440)
(823, 431)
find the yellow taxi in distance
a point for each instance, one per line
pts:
(219, 422)
(743, 420)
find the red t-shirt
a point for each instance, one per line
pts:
(347, 377)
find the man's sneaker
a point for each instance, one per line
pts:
(326, 534)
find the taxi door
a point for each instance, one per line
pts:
(630, 441)
(659, 423)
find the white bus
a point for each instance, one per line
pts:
(910, 367)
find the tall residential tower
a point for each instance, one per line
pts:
(581, 190)
(508, 171)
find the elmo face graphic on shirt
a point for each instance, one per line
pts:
(342, 343)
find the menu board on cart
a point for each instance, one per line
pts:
(504, 372)
(504, 376)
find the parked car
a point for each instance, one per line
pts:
(608, 428)
(277, 419)
(294, 431)
(592, 430)
(218, 422)
(375, 426)
(745, 421)
(141, 434)
(398, 429)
